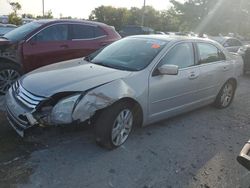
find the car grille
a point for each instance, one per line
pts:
(28, 99)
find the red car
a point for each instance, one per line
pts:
(44, 42)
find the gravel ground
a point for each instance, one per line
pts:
(197, 149)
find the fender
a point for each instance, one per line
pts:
(100, 98)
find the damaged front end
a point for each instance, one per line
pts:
(26, 110)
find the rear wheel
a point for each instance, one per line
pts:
(9, 73)
(114, 125)
(226, 95)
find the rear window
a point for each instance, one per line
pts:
(232, 42)
(99, 32)
(80, 31)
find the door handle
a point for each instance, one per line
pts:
(64, 46)
(225, 68)
(193, 76)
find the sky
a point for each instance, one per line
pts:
(76, 8)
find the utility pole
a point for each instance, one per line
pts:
(143, 13)
(43, 8)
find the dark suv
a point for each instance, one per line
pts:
(135, 30)
(45, 42)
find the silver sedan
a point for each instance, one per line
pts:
(135, 81)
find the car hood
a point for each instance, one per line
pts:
(69, 76)
(4, 41)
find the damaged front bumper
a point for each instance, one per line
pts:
(25, 110)
(19, 116)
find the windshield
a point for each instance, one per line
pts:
(20, 32)
(132, 54)
(4, 30)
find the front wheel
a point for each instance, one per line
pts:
(9, 73)
(226, 95)
(114, 125)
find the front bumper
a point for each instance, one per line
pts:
(18, 115)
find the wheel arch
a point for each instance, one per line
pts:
(234, 81)
(6, 60)
(137, 107)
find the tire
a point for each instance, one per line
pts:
(107, 128)
(226, 95)
(9, 73)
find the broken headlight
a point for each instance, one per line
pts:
(62, 111)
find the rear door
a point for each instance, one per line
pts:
(213, 70)
(50, 45)
(86, 39)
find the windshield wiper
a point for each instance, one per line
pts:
(119, 67)
(102, 64)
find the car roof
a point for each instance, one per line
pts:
(222, 39)
(51, 21)
(169, 38)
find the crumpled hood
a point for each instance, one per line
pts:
(68, 76)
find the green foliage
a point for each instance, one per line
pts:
(110, 15)
(13, 18)
(30, 16)
(47, 15)
(15, 6)
(201, 16)
(213, 16)
(119, 17)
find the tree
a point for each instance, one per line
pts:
(213, 16)
(110, 15)
(47, 15)
(15, 6)
(13, 17)
(119, 17)
(30, 16)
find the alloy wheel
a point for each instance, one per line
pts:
(7, 78)
(122, 127)
(227, 94)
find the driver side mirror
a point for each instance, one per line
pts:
(168, 69)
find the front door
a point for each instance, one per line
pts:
(49, 46)
(172, 94)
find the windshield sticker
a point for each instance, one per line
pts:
(153, 42)
(155, 46)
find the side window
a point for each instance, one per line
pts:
(53, 33)
(83, 31)
(181, 55)
(232, 42)
(99, 32)
(209, 53)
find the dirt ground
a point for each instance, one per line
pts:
(197, 149)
